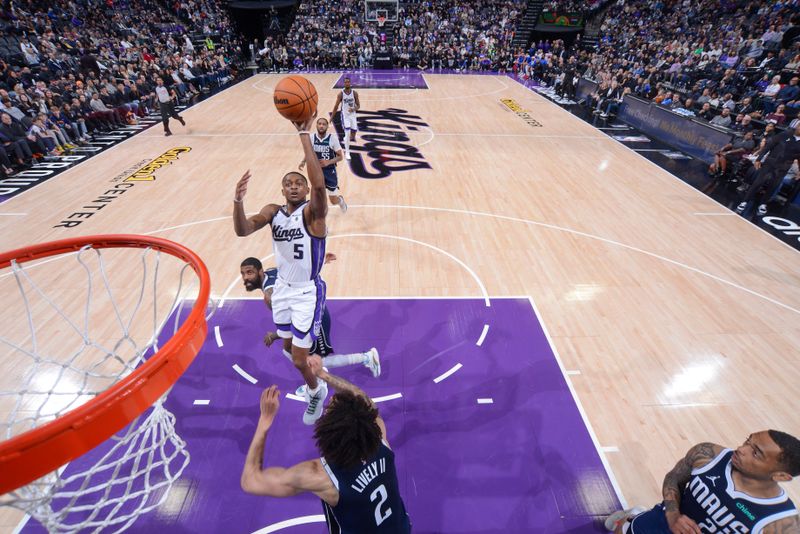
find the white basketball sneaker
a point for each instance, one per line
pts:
(347, 155)
(342, 204)
(315, 404)
(373, 362)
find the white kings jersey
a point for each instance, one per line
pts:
(348, 102)
(298, 254)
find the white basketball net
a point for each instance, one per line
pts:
(71, 351)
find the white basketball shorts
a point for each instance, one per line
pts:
(349, 121)
(297, 310)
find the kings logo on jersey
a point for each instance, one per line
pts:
(282, 234)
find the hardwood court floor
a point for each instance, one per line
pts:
(678, 319)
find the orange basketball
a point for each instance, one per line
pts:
(296, 98)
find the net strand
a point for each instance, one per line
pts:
(15, 268)
(132, 472)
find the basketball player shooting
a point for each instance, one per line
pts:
(329, 152)
(348, 98)
(255, 277)
(298, 242)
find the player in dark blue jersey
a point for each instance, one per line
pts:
(714, 489)
(329, 152)
(254, 277)
(355, 476)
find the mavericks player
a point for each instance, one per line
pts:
(714, 489)
(348, 98)
(329, 152)
(298, 241)
(355, 477)
(255, 277)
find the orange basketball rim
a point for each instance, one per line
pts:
(32, 454)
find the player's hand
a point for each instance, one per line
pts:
(680, 524)
(315, 364)
(302, 164)
(307, 125)
(241, 186)
(270, 338)
(329, 257)
(757, 164)
(270, 402)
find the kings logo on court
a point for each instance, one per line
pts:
(384, 145)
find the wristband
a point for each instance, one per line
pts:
(304, 132)
(237, 201)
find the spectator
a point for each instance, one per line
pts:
(39, 130)
(29, 51)
(23, 144)
(778, 117)
(769, 94)
(730, 153)
(100, 109)
(706, 112)
(723, 119)
(788, 92)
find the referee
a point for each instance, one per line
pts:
(166, 103)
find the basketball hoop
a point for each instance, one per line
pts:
(50, 424)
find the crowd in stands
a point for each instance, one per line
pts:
(734, 64)
(572, 6)
(70, 70)
(449, 34)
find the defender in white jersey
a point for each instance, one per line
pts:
(298, 241)
(348, 98)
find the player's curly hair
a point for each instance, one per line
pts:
(348, 432)
(790, 451)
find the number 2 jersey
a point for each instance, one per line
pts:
(298, 254)
(369, 498)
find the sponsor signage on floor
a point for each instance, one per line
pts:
(122, 184)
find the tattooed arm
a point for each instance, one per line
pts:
(787, 525)
(340, 384)
(676, 480)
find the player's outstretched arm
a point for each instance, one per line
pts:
(242, 224)
(355, 96)
(676, 480)
(278, 481)
(318, 205)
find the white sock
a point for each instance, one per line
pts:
(347, 140)
(340, 360)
